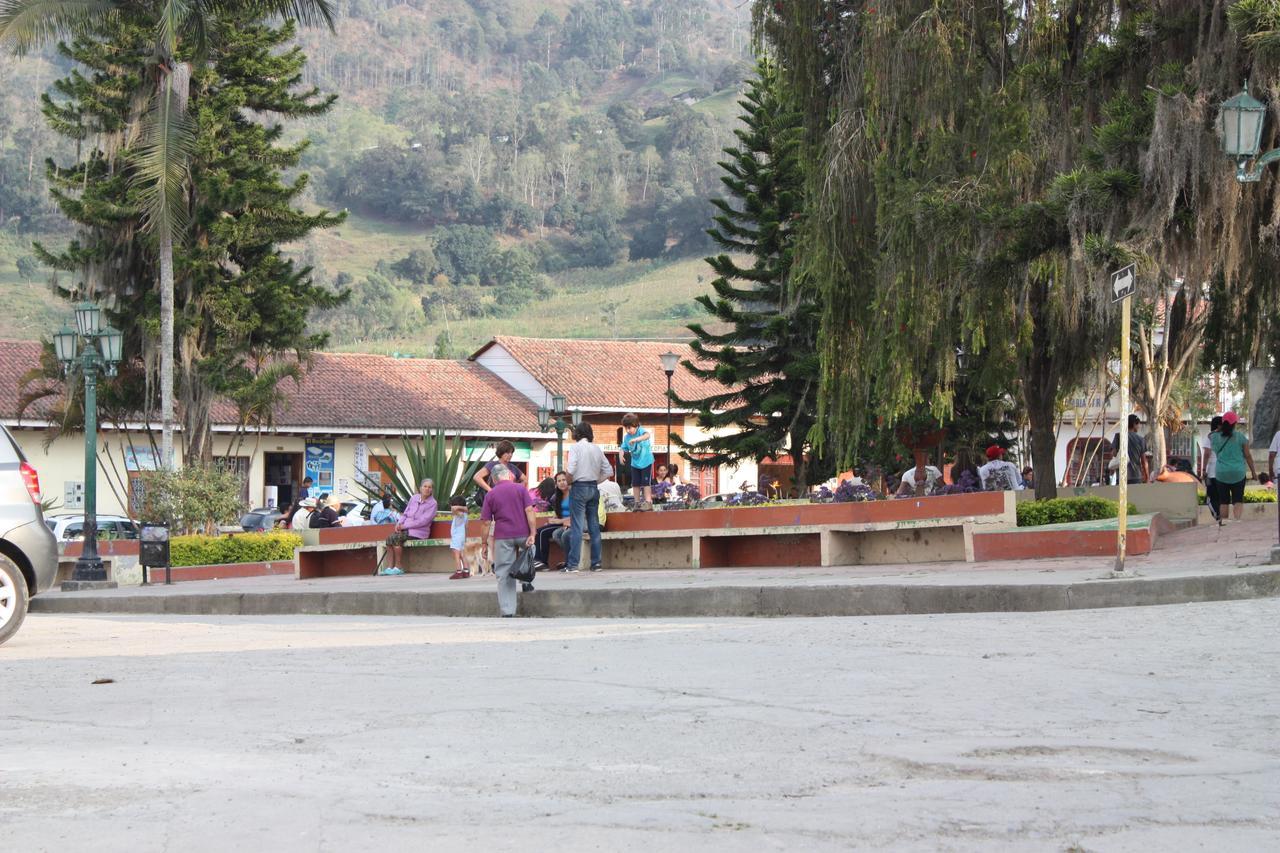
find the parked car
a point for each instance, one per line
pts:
(68, 528)
(28, 551)
(263, 518)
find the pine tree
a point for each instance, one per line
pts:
(240, 303)
(762, 344)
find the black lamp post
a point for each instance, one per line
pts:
(96, 348)
(558, 408)
(669, 362)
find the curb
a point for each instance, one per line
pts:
(724, 601)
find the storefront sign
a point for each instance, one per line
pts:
(319, 466)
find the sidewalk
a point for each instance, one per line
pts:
(1197, 564)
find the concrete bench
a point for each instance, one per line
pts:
(915, 530)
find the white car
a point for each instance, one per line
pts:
(67, 528)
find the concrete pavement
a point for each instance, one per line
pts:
(1130, 729)
(1197, 564)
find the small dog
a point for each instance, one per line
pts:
(473, 555)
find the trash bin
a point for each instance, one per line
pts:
(153, 549)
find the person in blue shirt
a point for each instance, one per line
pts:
(559, 521)
(383, 513)
(639, 443)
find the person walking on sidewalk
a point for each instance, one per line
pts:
(1209, 467)
(587, 468)
(508, 532)
(1232, 451)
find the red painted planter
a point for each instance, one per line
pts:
(106, 548)
(229, 570)
(795, 515)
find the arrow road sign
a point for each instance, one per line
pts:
(1123, 282)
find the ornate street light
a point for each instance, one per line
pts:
(1240, 121)
(669, 362)
(96, 349)
(559, 403)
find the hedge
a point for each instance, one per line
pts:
(1064, 510)
(198, 550)
(1251, 496)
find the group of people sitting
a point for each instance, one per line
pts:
(997, 474)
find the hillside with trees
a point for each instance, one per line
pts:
(490, 153)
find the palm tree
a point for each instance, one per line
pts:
(159, 122)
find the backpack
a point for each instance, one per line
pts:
(999, 479)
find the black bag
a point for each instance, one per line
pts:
(523, 569)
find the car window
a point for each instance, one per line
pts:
(73, 530)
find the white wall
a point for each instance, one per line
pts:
(499, 361)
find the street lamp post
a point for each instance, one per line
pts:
(96, 348)
(1240, 121)
(558, 408)
(669, 362)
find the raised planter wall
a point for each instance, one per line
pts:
(1176, 501)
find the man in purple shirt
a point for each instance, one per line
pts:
(414, 523)
(509, 524)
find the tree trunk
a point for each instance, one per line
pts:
(1040, 393)
(1044, 448)
(166, 348)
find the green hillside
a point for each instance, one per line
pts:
(646, 299)
(506, 165)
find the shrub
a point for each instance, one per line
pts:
(1064, 510)
(1251, 496)
(200, 550)
(193, 497)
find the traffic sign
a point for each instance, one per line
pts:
(1123, 282)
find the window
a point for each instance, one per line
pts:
(1087, 461)
(706, 479)
(382, 471)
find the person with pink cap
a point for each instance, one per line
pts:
(1231, 449)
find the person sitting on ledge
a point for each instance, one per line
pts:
(928, 477)
(1172, 474)
(415, 523)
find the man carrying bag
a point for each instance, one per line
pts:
(509, 524)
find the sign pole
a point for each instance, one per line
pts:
(1122, 473)
(1123, 283)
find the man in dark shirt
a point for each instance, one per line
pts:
(1139, 456)
(509, 524)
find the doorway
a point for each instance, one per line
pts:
(284, 471)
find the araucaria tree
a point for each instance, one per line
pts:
(159, 129)
(760, 342)
(241, 307)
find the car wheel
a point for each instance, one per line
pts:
(13, 599)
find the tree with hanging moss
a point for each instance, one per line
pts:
(975, 169)
(241, 305)
(761, 338)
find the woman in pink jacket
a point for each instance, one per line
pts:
(414, 523)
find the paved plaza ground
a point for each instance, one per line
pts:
(1151, 728)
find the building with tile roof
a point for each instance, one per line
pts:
(350, 411)
(593, 375)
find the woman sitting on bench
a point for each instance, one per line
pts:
(414, 523)
(559, 501)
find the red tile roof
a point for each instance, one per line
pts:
(353, 391)
(605, 373)
(350, 392)
(17, 358)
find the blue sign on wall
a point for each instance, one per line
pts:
(319, 466)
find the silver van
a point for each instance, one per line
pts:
(28, 551)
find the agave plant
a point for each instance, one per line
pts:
(434, 457)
